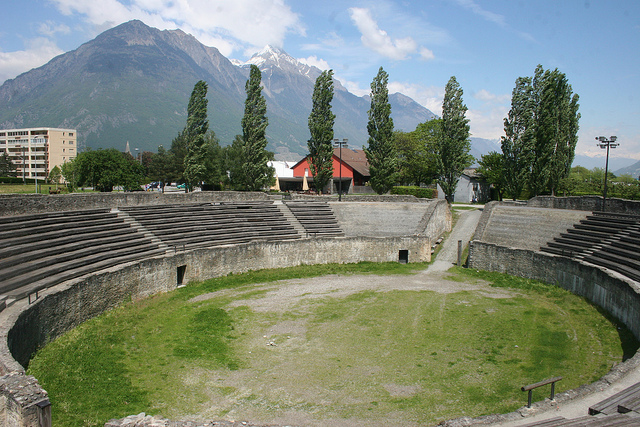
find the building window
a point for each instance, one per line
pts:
(70, 142)
(70, 133)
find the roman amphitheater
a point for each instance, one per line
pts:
(69, 258)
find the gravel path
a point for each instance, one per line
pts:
(464, 229)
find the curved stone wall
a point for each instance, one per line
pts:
(618, 295)
(26, 327)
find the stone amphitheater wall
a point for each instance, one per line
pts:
(25, 204)
(585, 203)
(613, 292)
(25, 327)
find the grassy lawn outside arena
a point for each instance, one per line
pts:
(333, 349)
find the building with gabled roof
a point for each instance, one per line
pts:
(350, 167)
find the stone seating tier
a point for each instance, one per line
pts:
(41, 248)
(71, 272)
(214, 224)
(60, 216)
(218, 237)
(59, 272)
(608, 240)
(19, 264)
(38, 251)
(316, 218)
(19, 245)
(505, 225)
(38, 229)
(68, 220)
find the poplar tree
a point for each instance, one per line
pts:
(321, 122)
(195, 170)
(254, 173)
(453, 151)
(555, 130)
(383, 162)
(517, 144)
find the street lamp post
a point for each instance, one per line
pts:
(340, 143)
(606, 143)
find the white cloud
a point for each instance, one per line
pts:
(314, 61)
(430, 97)
(487, 119)
(38, 51)
(496, 18)
(486, 96)
(426, 54)
(379, 41)
(226, 24)
(353, 87)
(478, 10)
(487, 122)
(50, 28)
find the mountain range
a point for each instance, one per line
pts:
(133, 82)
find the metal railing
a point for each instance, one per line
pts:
(530, 388)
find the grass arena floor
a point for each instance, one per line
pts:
(361, 344)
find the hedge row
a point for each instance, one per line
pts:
(422, 193)
(14, 180)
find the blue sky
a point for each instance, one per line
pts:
(486, 44)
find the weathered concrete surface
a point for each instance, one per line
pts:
(586, 203)
(524, 227)
(377, 219)
(24, 204)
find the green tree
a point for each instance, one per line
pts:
(321, 122)
(216, 173)
(106, 169)
(252, 172)
(492, 170)
(383, 162)
(416, 153)
(177, 154)
(7, 168)
(556, 127)
(517, 144)
(68, 170)
(453, 151)
(55, 175)
(161, 167)
(197, 125)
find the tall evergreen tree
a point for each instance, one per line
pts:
(321, 122)
(564, 129)
(383, 162)
(556, 126)
(195, 170)
(255, 173)
(517, 144)
(453, 151)
(7, 168)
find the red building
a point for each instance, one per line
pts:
(354, 170)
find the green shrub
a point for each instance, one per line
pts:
(422, 193)
(16, 180)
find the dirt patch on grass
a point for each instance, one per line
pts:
(281, 296)
(301, 367)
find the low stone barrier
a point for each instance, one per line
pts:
(618, 295)
(24, 204)
(586, 203)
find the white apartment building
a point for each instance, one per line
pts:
(35, 151)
